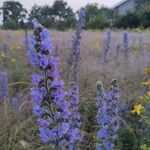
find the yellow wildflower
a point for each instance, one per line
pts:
(148, 94)
(141, 97)
(147, 71)
(13, 60)
(147, 83)
(2, 55)
(138, 108)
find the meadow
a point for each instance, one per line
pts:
(18, 125)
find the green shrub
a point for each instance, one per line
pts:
(130, 20)
(10, 24)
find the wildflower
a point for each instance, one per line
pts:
(117, 55)
(126, 47)
(147, 71)
(73, 60)
(107, 118)
(2, 55)
(13, 60)
(4, 84)
(106, 45)
(75, 118)
(138, 108)
(148, 93)
(5, 48)
(73, 93)
(146, 83)
(56, 53)
(141, 97)
(16, 102)
(48, 95)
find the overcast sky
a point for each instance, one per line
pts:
(75, 4)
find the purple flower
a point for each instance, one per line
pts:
(48, 95)
(75, 118)
(117, 58)
(3, 84)
(54, 73)
(37, 110)
(43, 123)
(44, 134)
(36, 78)
(33, 57)
(35, 23)
(54, 61)
(46, 45)
(99, 147)
(63, 129)
(74, 57)
(107, 116)
(31, 42)
(75, 135)
(45, 35)
(16, 102)
(37, 96)
(106, 46)
(57, 83)
(102, 133)
(43, 62)
(127, 52)
(5, 49)
(58, 96)
(73, 93)
(47, 135)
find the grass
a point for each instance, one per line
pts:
(20, 131)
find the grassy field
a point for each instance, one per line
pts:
(19, 130)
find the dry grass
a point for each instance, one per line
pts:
(18, 132)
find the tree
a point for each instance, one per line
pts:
(91, 10)
(61, 9)
(44, 14)
(141, 3)
(47, 16)
(143, 11)
(13, 12)
(139, 18)
(47, 12)
(145, 17)
(63, 14)
(96, 17)
(60, 15)
(130, 20)
(35, 12)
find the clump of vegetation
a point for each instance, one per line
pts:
(46, 114)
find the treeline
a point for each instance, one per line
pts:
(61, 16)
(140, 17)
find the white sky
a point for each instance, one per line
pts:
(75, 4)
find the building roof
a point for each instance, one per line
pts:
(120, 3)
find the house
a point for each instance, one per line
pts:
(124, 7)
(1, 16)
